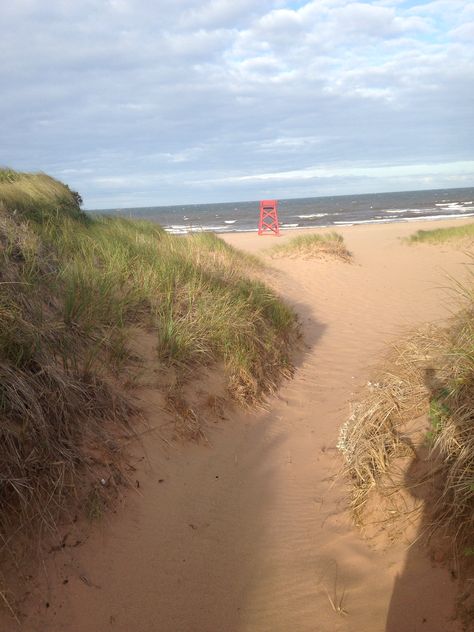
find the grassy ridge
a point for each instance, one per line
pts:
(441, 235)
(313, 245)
(37, 196)
(70, 288)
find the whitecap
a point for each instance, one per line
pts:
(451, 205)
(392, 220)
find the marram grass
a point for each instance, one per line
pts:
(430, 373)
(313, 245)
(72, 287)
(37, 196)
(442, 235)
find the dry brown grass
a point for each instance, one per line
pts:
(374, 435)
(430, 374)
(52, 406)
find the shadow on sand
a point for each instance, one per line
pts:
(184, 555)
(425, 593)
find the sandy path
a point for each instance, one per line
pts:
(249, 533)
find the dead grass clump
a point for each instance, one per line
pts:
(187, 425)
(47, 415)
(373, 436)
(314, 245)
(430, 374)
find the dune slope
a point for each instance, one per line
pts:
(251, 532)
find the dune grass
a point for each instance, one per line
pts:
(37, 196)
(71, 287)
(313, 245)
(430, 373)
(442, 235)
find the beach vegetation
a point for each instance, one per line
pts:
(425, 390)
(314, 245)
(442, 235)
(74, 291)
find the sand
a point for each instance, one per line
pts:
(251, 532)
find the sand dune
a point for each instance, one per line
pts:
(251, 533)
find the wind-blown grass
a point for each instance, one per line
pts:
(442, 235)
(313, 245)
(38, 197)
(430, 373)
(71, 287)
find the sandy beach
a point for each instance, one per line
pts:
(250, 532)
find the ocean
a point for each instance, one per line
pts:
(340, 210)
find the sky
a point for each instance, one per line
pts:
(157, 102)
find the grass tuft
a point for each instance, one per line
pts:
(442, 235)
(430, 373)
(314, 245)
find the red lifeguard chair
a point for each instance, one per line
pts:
(268, 224)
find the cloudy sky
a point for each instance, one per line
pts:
(148, 102)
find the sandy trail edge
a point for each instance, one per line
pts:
(252, 533)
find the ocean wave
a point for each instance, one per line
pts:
(433, 217)
(392, 220)
(385, 220)
(455, 206)
(190, 228)
(230, 221)
(401, 210)
(313, 216)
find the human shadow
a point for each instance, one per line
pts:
(425, 592)
(186, 553)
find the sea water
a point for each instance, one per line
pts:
(340, 210)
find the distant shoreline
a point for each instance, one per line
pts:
(414, 221)
(303, 213)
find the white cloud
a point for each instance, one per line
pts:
(175, 93)
(387, 171)
(220, 13)
(464, 32)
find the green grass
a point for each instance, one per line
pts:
(442, 235)
(38, 197)
(72, 287)
(313, 245)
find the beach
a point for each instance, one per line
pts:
(249, 530)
